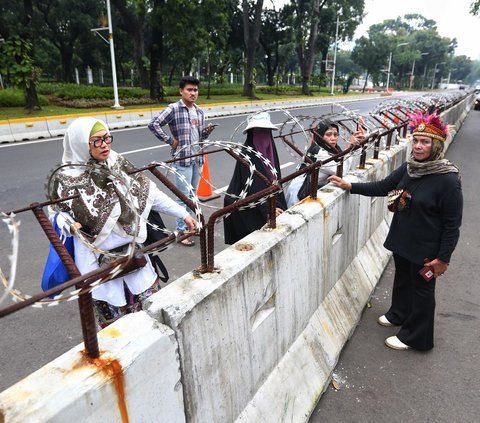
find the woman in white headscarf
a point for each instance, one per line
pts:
(112, 209)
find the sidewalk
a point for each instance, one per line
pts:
(377, 384)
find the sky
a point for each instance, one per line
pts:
(452, 17)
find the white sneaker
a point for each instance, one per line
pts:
(382, 320)
(395, 343)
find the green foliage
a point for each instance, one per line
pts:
(475, 7)
(18, 63)
(88, 92)
(12, 97)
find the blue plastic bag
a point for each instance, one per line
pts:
(55, 272)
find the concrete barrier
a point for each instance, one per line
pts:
(74, 388)
(260, 316)
(29, 129)
(58, 125)
(141, 117)
(5, 131)
(118, 119)
(255, 341)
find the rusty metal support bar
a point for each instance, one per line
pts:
(313, 183)
(296, 149)
(85, 302)
(340, 168)
(228, 209)
(389, 140)
(41, 205)
(376, 147)
(87, 279)
(272, 212)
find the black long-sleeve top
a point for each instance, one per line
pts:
(430, 227)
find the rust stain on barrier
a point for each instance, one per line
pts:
(112, 370)
(244, 247)
(313, 200)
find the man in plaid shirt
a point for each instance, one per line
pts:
(187, 126)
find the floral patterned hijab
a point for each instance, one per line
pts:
(108, 193)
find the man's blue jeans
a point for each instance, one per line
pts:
(192, 174)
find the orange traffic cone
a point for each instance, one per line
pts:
(204, 191)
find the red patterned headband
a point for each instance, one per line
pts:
(427, 126)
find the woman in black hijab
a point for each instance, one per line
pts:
(324, 145)
(240, 223)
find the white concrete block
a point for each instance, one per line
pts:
(58, 125)
(5, 132)
(136, 379)
(29, 129)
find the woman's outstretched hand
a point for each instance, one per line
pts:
(357, 137)
(339, 182)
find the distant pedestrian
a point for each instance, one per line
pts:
(425, 195)
(240, 223)
(187, 126)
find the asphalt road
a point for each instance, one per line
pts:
(380, 385)
(32, 337)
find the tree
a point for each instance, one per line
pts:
(305, 27)
(405, 39)
(133, 13)
(272, 35)
(251, 32)
(63, 21)
(214, 16)
(17, 58)
(156, 51)
(461, 68)
(475, 7)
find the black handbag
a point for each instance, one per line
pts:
(154, 235)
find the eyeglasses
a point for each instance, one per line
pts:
(97, 142)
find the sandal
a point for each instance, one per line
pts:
(187, 242)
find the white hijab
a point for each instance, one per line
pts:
(96, 200)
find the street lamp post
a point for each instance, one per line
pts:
(116, 104)
(413, 70)
(390, 63)
(109, 41)
(335, 53)
(435, 72)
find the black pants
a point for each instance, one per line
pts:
(413, 305)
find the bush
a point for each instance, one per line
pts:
(12, 97)
(281, 89)
(89, 92)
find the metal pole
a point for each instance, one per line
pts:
(334, 56)
(116, 105)
(389, 67)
